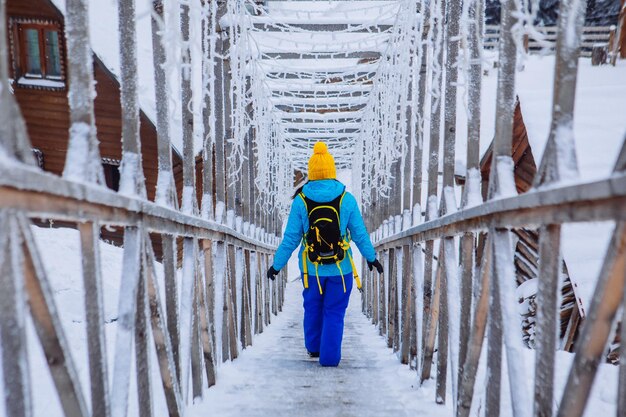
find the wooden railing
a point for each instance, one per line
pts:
(449, 280)
(545, 41)
(208, 315)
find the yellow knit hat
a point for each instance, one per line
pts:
(321, 164)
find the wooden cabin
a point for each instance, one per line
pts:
(38, 71)
(527, 245)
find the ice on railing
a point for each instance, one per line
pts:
(219, 274)
(432, 207)
(130, 175)
(220, 207)
(79, 165)
(472, 190)
(506, 181)
(505, 274)
(230, 218)
(418, 277)
(416, 215)
(566, 160)
(188, 200)
(239, 268)
(450, 199)
(186, 312)
(453, 274)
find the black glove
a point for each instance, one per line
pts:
(271, 273)
(375, 264)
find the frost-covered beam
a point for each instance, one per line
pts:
(322, 55)
(332, 126)
(83, 156)
(322, 107)
(320, 136)
(189, 202)
(166, 189)
(319, 27)
(315, 87)
(338, 116)
(131, 176)
(319, 101)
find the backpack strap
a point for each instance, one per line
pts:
(303, 197)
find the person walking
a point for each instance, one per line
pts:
(324, 218)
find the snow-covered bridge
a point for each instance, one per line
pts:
(423, 123)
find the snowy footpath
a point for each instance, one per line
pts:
(275, 377)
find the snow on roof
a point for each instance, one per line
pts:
(103, 26)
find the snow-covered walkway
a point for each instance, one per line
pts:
(275, 377)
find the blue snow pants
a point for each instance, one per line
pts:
(324, 315)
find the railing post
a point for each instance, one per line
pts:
(94, 308)
(82, 161)
(17, 395)
(220, 108)
(131, 171)
(166, 188)
(472, 194)
(189, 201)
(437, 12)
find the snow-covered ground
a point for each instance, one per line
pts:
(276, 378)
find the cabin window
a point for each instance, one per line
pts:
(37, 53)
(111, 169)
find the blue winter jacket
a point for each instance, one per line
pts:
(323, 191)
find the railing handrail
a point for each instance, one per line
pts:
(41, 194)
(580, 202)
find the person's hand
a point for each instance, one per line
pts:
(375, 264)
(271, 273)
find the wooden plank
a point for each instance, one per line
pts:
(245, 334)
(171, 297)
(162, 342)
(94, 312)
(131, 180)
(83, 156)
(49, 328)
(166, 190)
(196, 349)
(189, 203)
(466, 284)
(559, 159)
(453, 17)
(442, 327)
(426, 354)
(206, 316)
(186, 309)
(142, 353)
(505, 97)
(384, 288)
(431, 318)
(504, 276)
(470, 366)
(494, 343)
(597, 326)
(127, 306)
(547, 310)
(232, 302)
